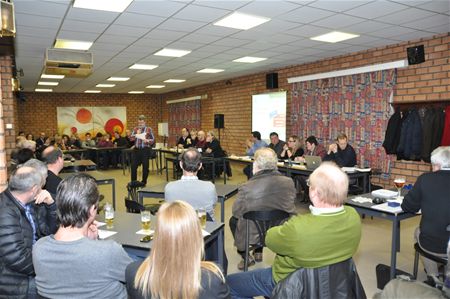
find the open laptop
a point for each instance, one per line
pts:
(312, 162)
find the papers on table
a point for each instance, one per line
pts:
(359, 169)
(349, 169)
(356, 169)
(99, 224)
(384, 193)
(145, 232)
(362, 199)
(103, 234)
(386, 208)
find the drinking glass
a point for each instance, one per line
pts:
(145, 220)
(399, 182)
(109, 215)
(202, 216)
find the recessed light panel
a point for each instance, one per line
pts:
(106, 5)
(210, 71)
(172, 52)
(174, 80)
(137, 66)
(43, 90)
(92, 91)
(155, 86)
(241, 21)
(45, 76)
(118, 78)
(136, 92)
(105, 85)
(334, 37)
(48, 83)
(72, 44)
(249, 59)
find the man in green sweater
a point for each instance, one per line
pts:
(328, 235)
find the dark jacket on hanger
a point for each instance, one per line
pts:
(393, 130)
(432, 126)
(410, 145)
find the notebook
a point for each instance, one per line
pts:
(312, 162)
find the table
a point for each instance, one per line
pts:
(126, 225)
(97, 150)
(75, 151)
(79, 165)
(100, 179)
(224, 192)
(366, 209)
(296, 169)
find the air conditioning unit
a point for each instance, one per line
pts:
(70, 63)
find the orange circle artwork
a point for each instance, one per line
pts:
(84, 116)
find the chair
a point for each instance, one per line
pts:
(133, 188)
(337, 281)
(133, 206)
(419, 250)
(263, 220)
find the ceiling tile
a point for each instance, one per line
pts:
(375, 9)
(138, 20)
(83, 26)
(155, 8)
(339, 20)
(366, 26)
(91, 15)
(49, 9)
(181, 25)
(430, 22)
(201, 13)
(391, 31)
(405, 16)
(200, 38)
(230, 5)
(116, 39)
(305, 15)
(37, 21)
(78, 35)
(164, 34)
(338, 6)
(267, 9)
(308, 31)
(440, 6)
(126, 31)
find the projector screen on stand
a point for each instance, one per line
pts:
(269, 114)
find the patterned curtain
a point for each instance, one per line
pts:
(183, 115)
(357, 105)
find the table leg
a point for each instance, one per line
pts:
(224, 171)
(167, 171)
(222, 208)
(213, 171)
(113, 185)
(141, 198)
(123, 161)
(395, 234)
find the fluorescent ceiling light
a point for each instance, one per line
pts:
(45, 76)
(92, 91)
(105, 85)
(155, 86)
(48, 83)
(106, 5)
(136, 92)
(334, 37)
(241, 21)
(72, 44)
(174, 80)
(249, 59)
(172, 52)
(43, 90)
(137, 66)
(118, 78)
(210, 71)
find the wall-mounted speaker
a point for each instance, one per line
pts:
(272, 80)
(416, 54)
(219, 121)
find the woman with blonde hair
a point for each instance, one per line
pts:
(293, 148)
(174, 269)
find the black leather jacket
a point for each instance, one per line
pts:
(337, 281)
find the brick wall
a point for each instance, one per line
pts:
(422, 83)
(38, 112)
(8, 114)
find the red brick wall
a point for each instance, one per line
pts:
(422, 83)
(38, 112)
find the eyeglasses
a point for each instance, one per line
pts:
(308, 183)
(290, 140)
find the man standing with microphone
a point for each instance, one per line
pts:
(144, 139)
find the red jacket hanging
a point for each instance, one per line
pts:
(446, 134)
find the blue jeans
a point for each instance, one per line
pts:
(246, 285)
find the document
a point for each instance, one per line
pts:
(145, 232)
(103, 234)
(141, 136)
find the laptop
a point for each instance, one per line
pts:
(312, 162)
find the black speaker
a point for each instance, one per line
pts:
(219, 121)
(416, 55)
(272, 80)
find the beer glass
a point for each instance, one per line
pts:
(109, 215)
(145, 220)
(399, 182)
(202, 217)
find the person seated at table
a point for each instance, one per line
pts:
(88, 141)
(293, 148)
(73, 263)
(53, 157)
(174, 268)
(341, 152)
(276, 144)
(65, 142)
(105, 155)
(199, 194)
(121, 142)
(253, 144)
(30, 136)
(40, 141)
(267, 190)
(430, 194)
(75, 141)
(185, 139)
(313, 148)
(214, 149)
(329, 234)
(194, 137)
(201, 141)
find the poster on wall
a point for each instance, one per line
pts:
(81, 120)
(269, 114)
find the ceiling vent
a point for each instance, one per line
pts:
(76, 64)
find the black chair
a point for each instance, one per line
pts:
(133, 188)
(263, 220)
(419, 250)
(133, 206)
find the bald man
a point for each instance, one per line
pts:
(53, 157)
(329, 234)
